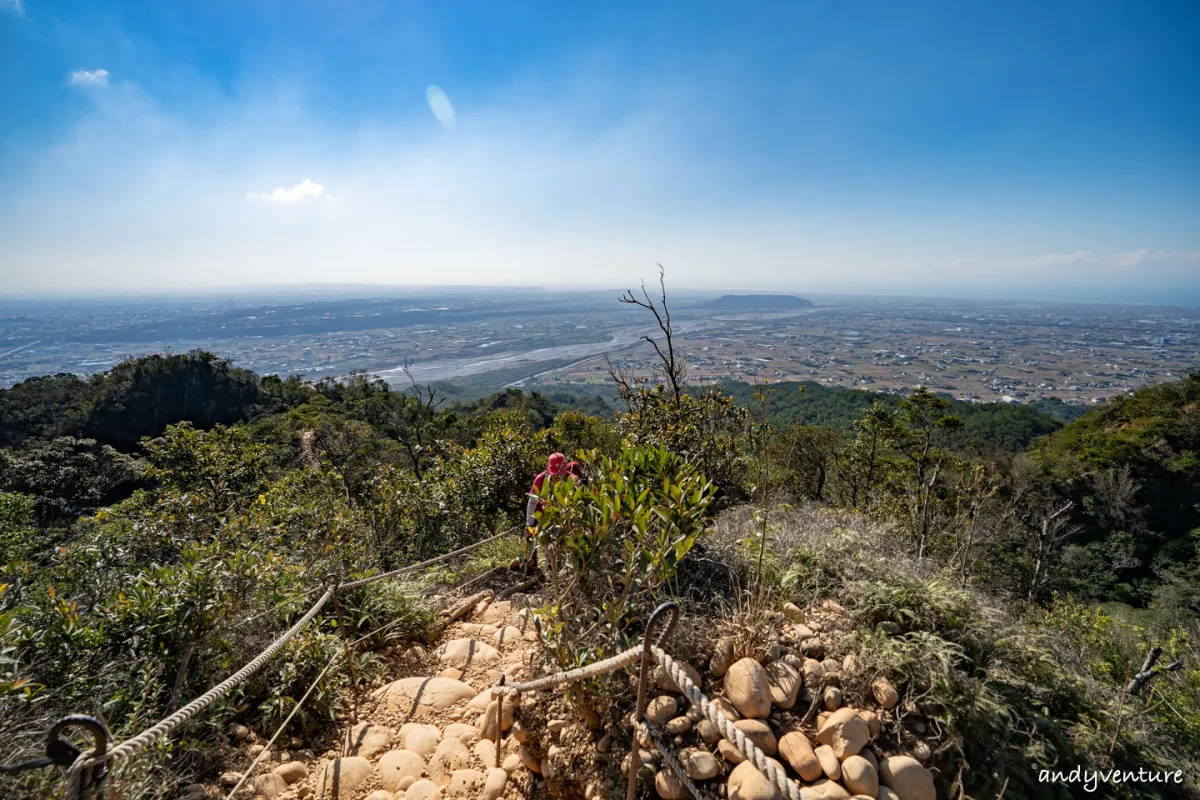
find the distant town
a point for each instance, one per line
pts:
(482, 340)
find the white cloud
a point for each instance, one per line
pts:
(89, 77)
(439, 104)
(15, 6)
(295, 194)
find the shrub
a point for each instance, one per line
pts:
(620, 538)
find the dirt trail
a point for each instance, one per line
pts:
(421, 734)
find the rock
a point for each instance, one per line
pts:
(850, 664)
(467, 652)
(291, 772)
(885, 693)
(845, 732)
(396, 765)
(833, 607)
(906, 777)
(729, 752)
(341, 778)
(830, 665)
(678, 726)
(511, 762)
(694, 713)
(922, 752)
(793, 612)
(747, 689)
(813, 648)
(760, 734)
(661, 709)
(270, 785)
(888, 628)
(239, 733)
(519, 732)
(859, 776)
(869, 756)
(829, 762)
(255, 749)
(726, 708)
(605, 744)
(229, 778)
(555, 726)
(424, 789)
(722, 658)
(709, 732)
(380, 794)
(798, 752)
(467, 734)
(485, 751)
(453, 673)
(824, 715)
(872, 720)
(487, 722)
(417, 695)
(699, 764)
(494, 783)
(814, 673)
(826, 789)
(747, 783)
(369, 740)
(530, 759)
(508, 635)
(420, 739)
(784, 682)
(465, 783)
(886, 794)
(832, 698)
(451, 755)
(663, 679)
(193, 790)
(496, 613)
(591, 717)
(668, 786)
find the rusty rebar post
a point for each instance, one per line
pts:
(648, 641)
(499, 719)
(86, 782)
(337, 609)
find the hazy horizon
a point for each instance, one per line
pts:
(1025, 151)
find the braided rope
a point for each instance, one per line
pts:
(429, 562)
(590, 671)
(152, 735)
(655, 737)
(786, 787)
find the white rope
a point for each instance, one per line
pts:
(599, 668)
(428, 562)
(786, 787)
(152, 735)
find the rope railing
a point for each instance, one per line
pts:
(87, 773)
(657, 632)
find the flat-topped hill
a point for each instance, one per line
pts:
(757, 302)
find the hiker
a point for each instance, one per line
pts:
(556, 467)
(574, 471)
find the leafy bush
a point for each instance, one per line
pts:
(614, 542)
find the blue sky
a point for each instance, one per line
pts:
(1047, 149)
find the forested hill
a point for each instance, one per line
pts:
(986, 427)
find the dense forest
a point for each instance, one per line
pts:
(146, 511)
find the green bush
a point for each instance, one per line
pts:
(614, 542)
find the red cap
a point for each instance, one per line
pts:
(556, 463)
